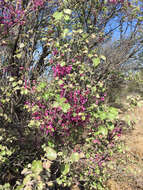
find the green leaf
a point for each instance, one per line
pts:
(103, 57)
(111, 116)
(60, 82)
(46, 96)
(22, 45)
(103, 115)
(66, 17)
(65, 32)
(63, 64)
(55, 104)
(96, 61)
(90, 55)
(11, 79)
(65, 107)
(16, 88)
(112, 113)
(61, 100)
(103, 130)
(110, 126)
(24, 91)
(40, 185)
(59, 181)
(41, 86)
(36, 166)
(80, 31)
(51, 153)
(19, 187)
(68, 11)
(31, 123)
(58, 15)
(94, 89)
(19, 55)
(14, 84)
(20, 82)
(75, 157)
(87, 155)
(27, 179)
(66, 169)
(83, 118)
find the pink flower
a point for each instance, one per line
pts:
(73, 60)
(102, 98)
(46, 113)
(60, 71)
(38, 118)
(96, 141)
(55, 52)
(112, 1)
(51, 61)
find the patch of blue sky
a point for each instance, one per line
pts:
(38, 51)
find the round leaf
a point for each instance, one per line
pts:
(36, 166)
(75, 157)
(51, 153)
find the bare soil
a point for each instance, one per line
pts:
(127, 167)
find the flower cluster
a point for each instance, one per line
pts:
(53, 119)
(115, 1)
(11, 14)
(61, 71)
(38, 3)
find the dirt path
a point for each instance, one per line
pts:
(128, 166)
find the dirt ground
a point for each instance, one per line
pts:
(127, 167)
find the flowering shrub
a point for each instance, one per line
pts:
(60, 129)
(71, 112)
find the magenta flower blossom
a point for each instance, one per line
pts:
(60, 71)
(96, 141)
(97, 102)
(51, 61)
(55, 52)
(13, 13)
(73, 60)
(102, 98)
